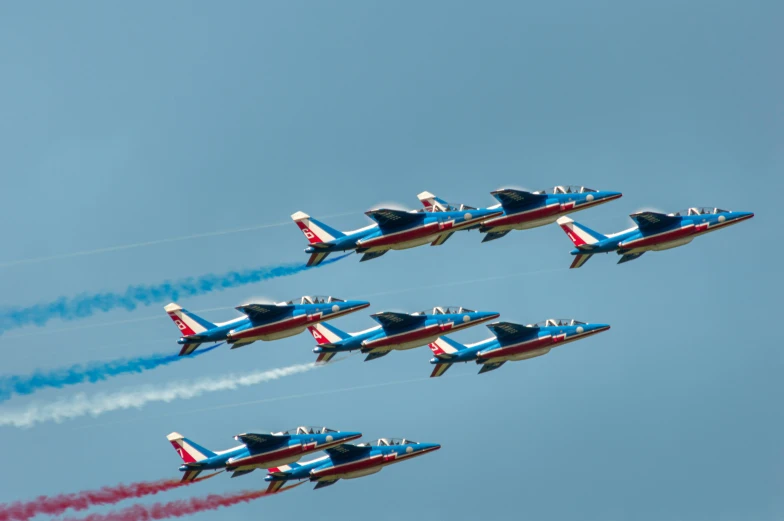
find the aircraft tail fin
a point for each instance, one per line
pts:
(324, 333)
(283, 470)
(429, 200)
(445, 347)
(188, 323)
(580, 234)
(189, 451)
(316, 232)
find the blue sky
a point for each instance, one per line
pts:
(130, 123)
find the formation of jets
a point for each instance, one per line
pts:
(280, 451)
(393, 229)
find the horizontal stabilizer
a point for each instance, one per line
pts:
(274, 486)
(508, 330)
(190, 475)
(317, 258)
(509, 197)
(375, 354)
(630, 257)
(188, 349)
(441, 239)
(347, 450)
(325, 357)
(387, 218)
(372, 255)
(492, 366)
(439, 370)
(261, 312)
(491, 236)
(579, 260)
(392, 320)
(325, 483)
(647, 221)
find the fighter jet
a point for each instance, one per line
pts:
(654, 232)
(349, 461)
(512, 342)
(257, 450)
(394, 230)
(522, 210)
(397, 331)
(259, 321)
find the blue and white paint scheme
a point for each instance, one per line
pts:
(522, 210)
(511, 343)
(257, 450)
(394, 230)
(654, 232)
(349, 461)
(259, 321)
(396, 331)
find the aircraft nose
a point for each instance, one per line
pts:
(350, 435)
(597, 328)
(429, 447)
(609, 196)
(486, 315)
(356, 305)
(744, 215)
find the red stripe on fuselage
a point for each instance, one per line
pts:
(275, 327)
(660, 238)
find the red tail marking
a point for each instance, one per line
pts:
(186, 330)
(435, 348)
(312, 238)
(186, 457)
(321, 339)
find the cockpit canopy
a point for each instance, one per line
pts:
(314, 299)
(566, 189)
(554, 322)
(445, 310)
(702, 210)
(446, 208)
(388, 442)
(303, 429)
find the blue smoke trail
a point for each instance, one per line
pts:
(89, 373)
(86, 305)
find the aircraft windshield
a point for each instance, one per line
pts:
(698, 210)
(388, 442)
(554, 322)
(302, 429)
(566, 189)
(447, 208)
(314, 299)
(445, 310)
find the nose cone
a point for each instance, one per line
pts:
(483, 316)
(609, 196)
(597, 328)
(349, 306)
(347, 436)
(423, 448)
(741, 215)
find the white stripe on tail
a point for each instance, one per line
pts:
(429, 200)
(188, 323)
(444, 347)
(316, 232)
(188, 450)
(326, 334)
(579, 234)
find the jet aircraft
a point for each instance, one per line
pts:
(512, 342)
(397, 331)
(349, 461)
(257, 450)
(394, 230)
(522, 210)
(260, 321)
(654, 232)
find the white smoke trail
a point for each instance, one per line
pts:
(98, 404)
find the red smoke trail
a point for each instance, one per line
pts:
(184, 507)
(54, 505)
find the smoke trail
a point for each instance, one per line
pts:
(90, 373)
(96, 405)
(180, 508)
(86, 305)
(56, 505)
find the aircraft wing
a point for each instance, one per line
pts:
(325, 483)
(260, 441)
(490, 367)
(387, 218)
(441, 239)
(652, 220)
(491, 236)
(507, 330)
(630, 257)
(376, 354)
(372, 255)
(390, 319)
(259, 312)
(509, 197)
(346, 450)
